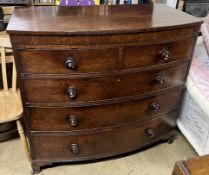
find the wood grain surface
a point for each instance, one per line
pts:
(99, 59)
(100, 81)
(96, 19)
(192, 166)
(96, 117)
(88, 89)
(49, 147)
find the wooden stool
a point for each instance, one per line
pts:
(194, 166)
(10, 99)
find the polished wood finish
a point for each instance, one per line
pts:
(150, 55)
(89, 88)
(97, 20)
(102, 59)
(60, 119)
(192, 166)
(129, 137)
(104, 80)
(34, 61)
(83, 41)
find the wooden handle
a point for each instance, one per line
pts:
(159, 79)
(70, 63)
(73, 121)
(150, 132)
(165, 54)
(154, 107)
(72, 92)
(74, 148)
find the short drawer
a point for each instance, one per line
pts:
(101, 60)
(86, 89)
(149, 55)
(100, 144)
(68, 61)
(89, 117)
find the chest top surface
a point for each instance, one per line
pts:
(93, 20)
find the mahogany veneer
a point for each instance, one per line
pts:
(100, 81)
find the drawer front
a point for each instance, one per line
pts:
(100, 144)
(100, 60)
(81, 118)
(157, 54)
(68, 61)
(141, 37)
(101, 88)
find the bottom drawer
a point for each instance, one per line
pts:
(65, 147)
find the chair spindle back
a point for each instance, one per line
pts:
(4, 70)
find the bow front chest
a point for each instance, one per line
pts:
(102, 80)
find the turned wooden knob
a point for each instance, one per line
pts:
(165, 54)
(70, 63)
(74, 148)
(150, 132)
(154, 107)
(159, 79)
(73, 121)
(71, 92)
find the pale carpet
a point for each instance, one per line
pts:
(158, 160)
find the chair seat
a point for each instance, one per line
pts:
(11, 105)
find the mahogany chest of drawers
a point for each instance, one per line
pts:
(100, 81)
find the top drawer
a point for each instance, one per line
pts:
(69, 61)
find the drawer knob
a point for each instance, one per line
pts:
(70, 63)
(150, 132)
(165, 54)
(72, 119)
(72, 92)
(74, 148)
(154, 107)
(159, 79)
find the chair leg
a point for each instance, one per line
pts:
(23, 139)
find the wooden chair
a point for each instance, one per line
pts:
(10, 100)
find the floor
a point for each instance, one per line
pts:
(158, 160)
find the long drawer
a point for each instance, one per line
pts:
(100, 60)
(62, 146)
(89, 117)
(84, 89)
